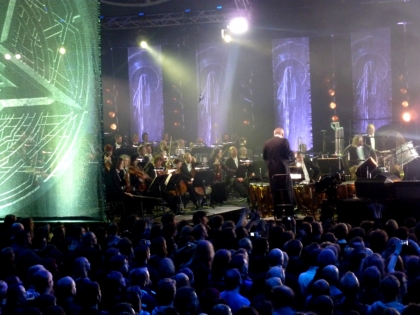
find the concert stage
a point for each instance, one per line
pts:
(228, 211)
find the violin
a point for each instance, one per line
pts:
(141, 175)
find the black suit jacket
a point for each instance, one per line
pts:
(233, 170)
(310, 165)
(354, 159)
(277, 153)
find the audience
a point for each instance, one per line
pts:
(210, 267)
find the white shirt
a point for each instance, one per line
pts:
(305, 172)
(360, 153)
(372, 141)
(236, 161)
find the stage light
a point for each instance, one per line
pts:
(141, 14)
(18, 56)
(246, 122)
(62, 50)
(334, 118)
(333, 105)
(113, 126)
(331, 92)
(403, 91)
(143, 44)
(238, 25)
(406, 117)
(187, 10)
(111, 114)
(226, 36)
(219, 7)
(7, 56)
(404, 104)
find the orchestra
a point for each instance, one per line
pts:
(179, 174)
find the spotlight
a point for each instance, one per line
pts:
(406, 117)
(403, 91)
(111, 114)
(62, 50)
(226, 36)
(238, 25)
(18, 56)
(113, 126)
(143, 44)
(333, 105)
(404, 104)
(7, 56)
(334, 118)
(331, 92)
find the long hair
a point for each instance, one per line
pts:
(203, 255)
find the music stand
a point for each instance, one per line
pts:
(330, 165)
(156, 188)
(365, 169)
(202, 180)
(173, 185)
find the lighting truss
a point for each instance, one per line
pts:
(169, 19)
(244, 5)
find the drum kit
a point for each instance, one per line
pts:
(393, 161)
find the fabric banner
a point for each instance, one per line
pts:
(292, 96)
(213, 83)
(371, 66)
(146, 92)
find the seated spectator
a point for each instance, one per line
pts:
(90, 294)
(233, 282)
(349, 285)
(181, 280)
(112, 239)
(322, 305)
(331, 275)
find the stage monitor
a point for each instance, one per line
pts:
(380, 187)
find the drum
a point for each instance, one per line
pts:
(406, 153)
(265, 200)
(307, 198)
(253, 195)
(346, 190)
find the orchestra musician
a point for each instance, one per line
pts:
(180, 149)
(163, 149)
(118, 143)
(357, 154)
(236, 173)
(135, 141)
(108, 158)
(144, 138)
(243, 153)
(215, 164)
(310, 170)
(138, 180)
(158, 167)
(370, 138)
(143, 156)
(185, 168)
(149, 151)
(115, 184)
(166, 137)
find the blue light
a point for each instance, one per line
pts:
(141, 14)
(219, 7)
(101, 16)
(187, 10)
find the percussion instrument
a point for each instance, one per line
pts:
(265, 200)
(346, 190)
(260, 197)
(406, 153)
(307, 198)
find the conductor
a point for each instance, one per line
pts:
(277, 154)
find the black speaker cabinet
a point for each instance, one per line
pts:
(380, 187)
(366, 168)
(408, 190)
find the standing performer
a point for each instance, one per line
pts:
(370, 138)
(277, 154)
